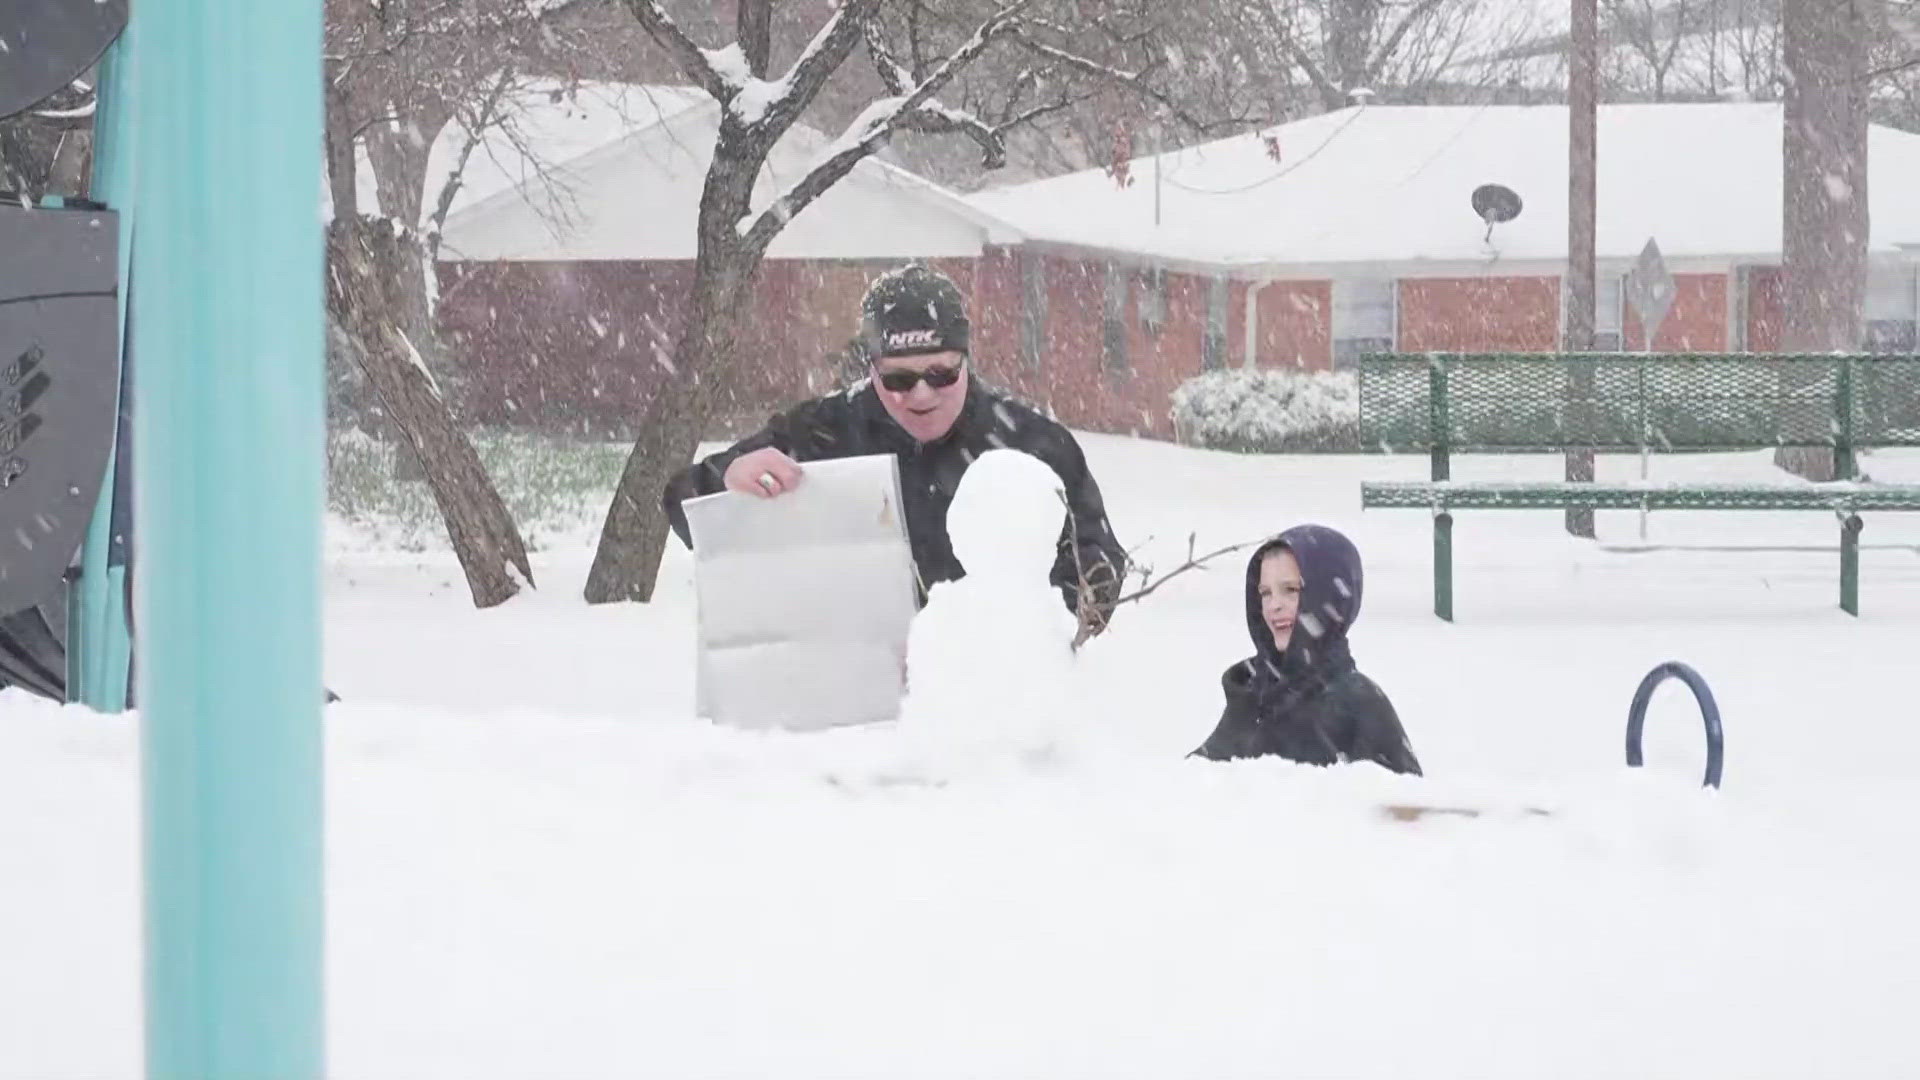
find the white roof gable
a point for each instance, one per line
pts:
(1391, 184)
(616, 172)
(553, 125)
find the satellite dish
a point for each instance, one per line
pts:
(46, 44)
(1496, 204)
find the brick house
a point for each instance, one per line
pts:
(1301, 246)
(1353, 231)
(562, 286)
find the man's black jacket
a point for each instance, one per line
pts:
(853, 422)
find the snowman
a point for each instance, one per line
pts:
(990, 656)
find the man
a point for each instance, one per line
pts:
(921, 404)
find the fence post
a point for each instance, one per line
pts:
(1646, 432)
(1439, 418)
(1850, 527)
(1844, 467)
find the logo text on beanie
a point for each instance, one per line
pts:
(912, 339)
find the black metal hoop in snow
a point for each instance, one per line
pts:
(1709, 713)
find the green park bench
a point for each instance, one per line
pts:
(1447, 403)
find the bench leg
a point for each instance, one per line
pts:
(1443, 565)
(1850, 527)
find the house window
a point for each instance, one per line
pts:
(1033, 309)
(1213, 347)
(1892, 309)
(1609, 313)
(1113, 323)
(1363, 319)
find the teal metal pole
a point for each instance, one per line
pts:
(228, 466)
(98, 646)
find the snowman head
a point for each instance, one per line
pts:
(1006, 518)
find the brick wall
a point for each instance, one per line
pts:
(1074, 377)
(580, 346)
(1697, 321)
(1295, 325)
(1494, 314)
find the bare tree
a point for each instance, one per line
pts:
(1894, 66)
(1753, 48)
(1404, 51)
(918, 50)
(398, 73)
(1655, 33)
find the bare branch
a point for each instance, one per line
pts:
(1894, 69)
(930, 120)
(821, 58)
(916, 59)
(692, 60)
(1330, 95)
(1194, 562)
(1134, 80)
(1035, 113)
(867, 132)
(754, 24)
(893, 75)
(1094, 615)
(452, 187)
(360, 130)
(1391, 46)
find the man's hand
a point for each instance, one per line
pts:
(765, 472)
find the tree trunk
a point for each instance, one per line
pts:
(339, 148)
(1583, 95)
(399, 170)
(1349, 42)
(1824, 190)
(361, 293)
(627, 564)
(399, 163)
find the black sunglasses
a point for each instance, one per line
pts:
(901, 380)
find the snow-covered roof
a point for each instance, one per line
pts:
(1391, 184)
(615, 171)
(553, 125)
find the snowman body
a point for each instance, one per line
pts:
(990, 657)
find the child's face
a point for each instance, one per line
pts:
(1280, 595)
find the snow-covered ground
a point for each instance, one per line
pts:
(539, 866)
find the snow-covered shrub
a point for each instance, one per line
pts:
(1269, 410)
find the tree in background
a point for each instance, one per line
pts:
(1823, 187)
(1404, 51)
(399, 72)
(917, 51)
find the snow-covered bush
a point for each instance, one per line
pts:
(1269, 410)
